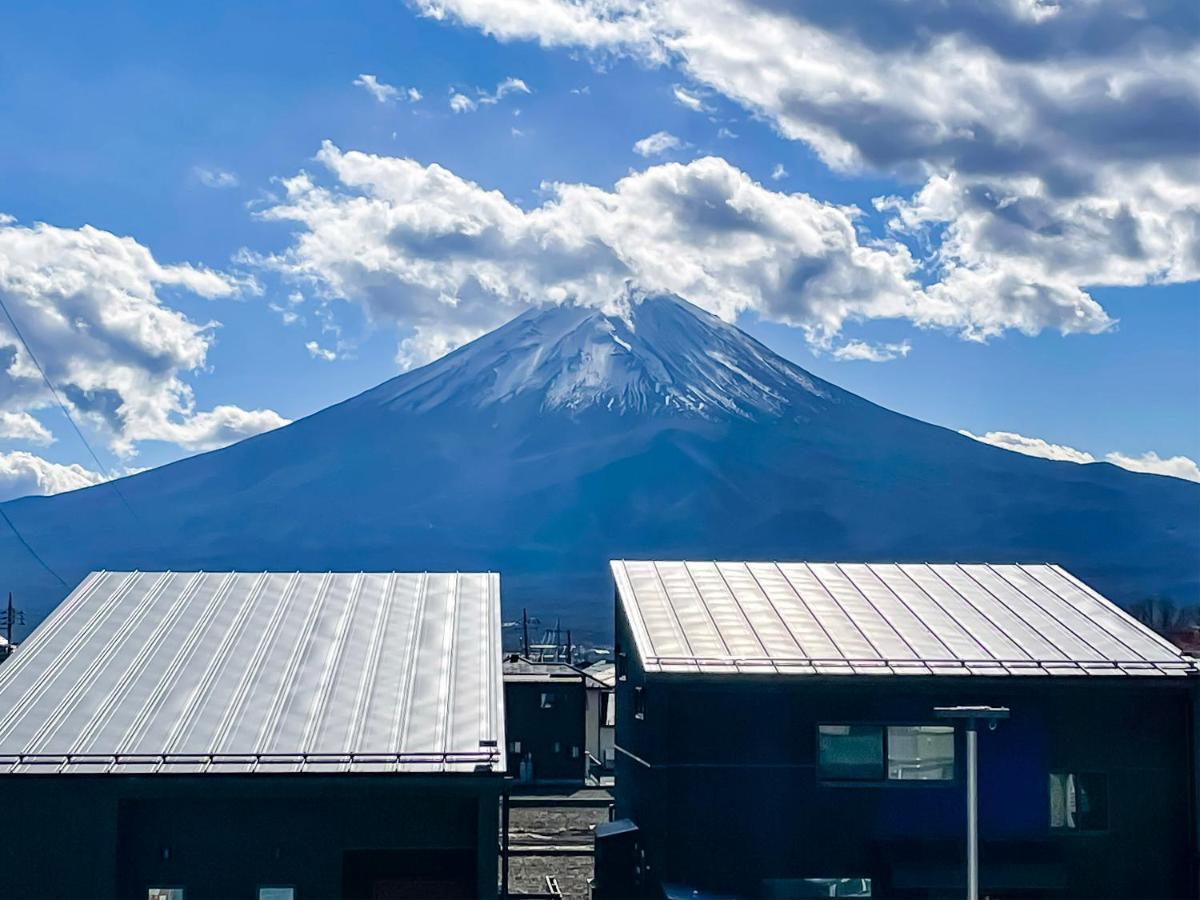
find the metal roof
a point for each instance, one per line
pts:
(859, 619)
(139, 672)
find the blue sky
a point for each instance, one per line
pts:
(171, 125)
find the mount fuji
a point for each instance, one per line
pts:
(572, 435)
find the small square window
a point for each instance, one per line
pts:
(514, 746)
(574, 752)
(276, 893)
(850, 752)
(1078, 801)
(557, 747)
(165, 893)
(547, 700)
(639, 703)
(920, 753)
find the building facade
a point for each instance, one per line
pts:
(270, 735)
(546, 709)
(777, 733)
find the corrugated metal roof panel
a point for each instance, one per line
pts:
(256, 672)
(880, 619)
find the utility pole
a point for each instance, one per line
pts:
(525, 633)
(971, 716)
(570, 655)
(8, 620)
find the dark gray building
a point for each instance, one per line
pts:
(272, 735)
(546, 708)
(776, 733)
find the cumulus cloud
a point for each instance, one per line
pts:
(87, 303)
(657, 144)
(385, 93)
(1150, 462)
(1010, 440)
(21, 426)
(443, 256)
(22, 474)
(1056, 143)
(460, 102)
(215, 178)
(1175, 466)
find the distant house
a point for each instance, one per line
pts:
(776, 733)
(545, 705)
(601, 716)
(272, 735)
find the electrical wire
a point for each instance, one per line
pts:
(66, 411)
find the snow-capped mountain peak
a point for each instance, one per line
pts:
(651, 355)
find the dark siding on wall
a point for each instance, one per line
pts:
(224, 836)
(733, 796)
(538, 729)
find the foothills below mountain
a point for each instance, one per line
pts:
(571, 436)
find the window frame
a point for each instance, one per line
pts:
(903, 784)
(274, 887)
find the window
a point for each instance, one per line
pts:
(547, 700)
(920, 752)
(165, 893)
(276, 893)
(514, 746)
(557, 747)
(1078, 801)
(850, 752)
(639, 703)
(891, 753)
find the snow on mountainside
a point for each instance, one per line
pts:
(656, 355)
(574, 435)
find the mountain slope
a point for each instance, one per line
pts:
(572, 435)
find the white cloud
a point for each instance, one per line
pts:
(859, 350)
(657, 144)
(725, 134)
(1009, 440)
(87, 302)
(1175, 466)
(316, 351)
(441, 255)
(687, 98)
(21, 426)
(460, 102)
(778, 172)
(386, 93)
(22, 474)
(215, 178)
(1056, 142)
(1151, 462)
(211, 429)
(449, 259)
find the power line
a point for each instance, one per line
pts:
(66, 412)
(32, 552)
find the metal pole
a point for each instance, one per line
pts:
(972, 813)
(504, 849)
(525, 633)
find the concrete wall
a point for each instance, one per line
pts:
(224, 836)
(731, 794)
